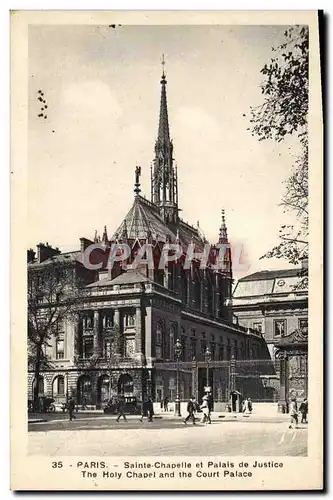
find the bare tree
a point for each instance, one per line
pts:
(53, 292)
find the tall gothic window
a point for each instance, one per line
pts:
(184, 285)
(159, 341)
(172, 341)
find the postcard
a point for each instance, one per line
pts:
(167, 250)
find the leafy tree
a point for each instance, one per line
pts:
(284, 112)
(53, 292)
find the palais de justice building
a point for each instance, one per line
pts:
(131, 318)
(273, 303)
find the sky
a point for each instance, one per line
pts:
(102, 90)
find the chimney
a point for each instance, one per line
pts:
(30, 255)
(84, 243)
(45, 251)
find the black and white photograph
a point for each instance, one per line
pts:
(166, 235)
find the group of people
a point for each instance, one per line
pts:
(206, 408)
(247, 406)
(293, 412)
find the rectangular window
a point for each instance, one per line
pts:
(88, 348)
(258, 327)
(60, 354)
(108, 320)
(221, 353)
(303, 325)
(280, 327)
(129, 320)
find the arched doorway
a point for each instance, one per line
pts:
(125, 385)
(103, 389)
(84, 391)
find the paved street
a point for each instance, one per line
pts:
(105, 437)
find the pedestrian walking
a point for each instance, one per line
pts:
(205, 410)
(150, 409)
(166, 403)
(191, 408)
(71, 407)
(304, 411)
(293, 413)
(121, 408)
(147, 410)
(246, 406)
(249, 404)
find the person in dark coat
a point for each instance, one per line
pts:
(166, 403)
(191, 408)
(304, 411)
(120, 408)
(147, 410)
(71, 408)
(150, 409)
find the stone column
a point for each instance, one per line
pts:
(282, 404)
(116, 322)
(138, 330)
(97, 346)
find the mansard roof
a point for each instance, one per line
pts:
(129, 277)
(143, 221)
(272, 274)
(274, 282)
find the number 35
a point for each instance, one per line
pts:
(57, 465)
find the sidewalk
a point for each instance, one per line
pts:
(229, 417)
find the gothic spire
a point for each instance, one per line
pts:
(164, 177)
(163, 125)
(105, 236)
(223, 235)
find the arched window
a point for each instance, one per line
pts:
(58, 388)
(159, 341)
(172, 341)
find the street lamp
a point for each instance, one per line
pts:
(208, 358)
(178, 353)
